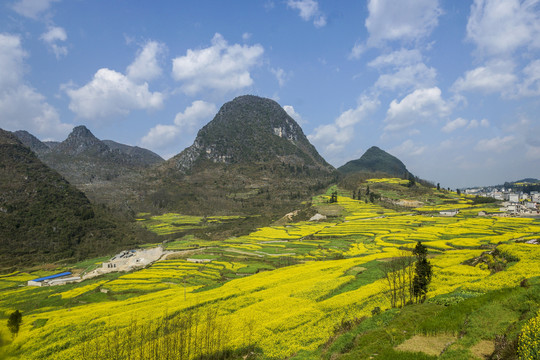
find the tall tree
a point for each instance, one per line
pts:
(14, 322)
(422, 273)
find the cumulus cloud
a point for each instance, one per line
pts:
(419, 106)
(454, 125)
(403, 69)
(413, 76)
(220, 67)
(499, 27)
(32, 8)
(333, 137)
(161, 136)
(398, 58)
(193, 115)
(495, 76)
(366, 105)
(21, 106)
(54, 35)
(408, 148)
(497, 144)
(289, 109)
(111, 93)
(473, 124)
(146, 65)
(406, 20)
(309, 9)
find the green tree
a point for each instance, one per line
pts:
(14, 322)
(333, 197)
(422, 273)
(438, 186)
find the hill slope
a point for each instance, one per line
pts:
(376, 160)
(43, 218)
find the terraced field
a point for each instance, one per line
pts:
(279, 291)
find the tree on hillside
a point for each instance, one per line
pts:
(14, 322)
(422, 273)
(438, 186)
(333, 197)
(399, 274)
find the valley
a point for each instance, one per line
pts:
(301, 289)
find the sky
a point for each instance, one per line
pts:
(452, 88)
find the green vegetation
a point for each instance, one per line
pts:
(45, 219)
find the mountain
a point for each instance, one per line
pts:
(43, 218)
(103, 170)
(32, 142)
(376, 160)
(251, 129)
(144, 156)
(251, 158)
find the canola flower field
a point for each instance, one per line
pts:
(282, 289)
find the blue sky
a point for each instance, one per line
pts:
(452, 88)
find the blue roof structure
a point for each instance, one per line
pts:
(52, 276)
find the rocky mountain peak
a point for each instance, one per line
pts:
(251, 129)
(81, 140)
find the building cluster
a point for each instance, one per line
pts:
(516, 203)
(56, 279)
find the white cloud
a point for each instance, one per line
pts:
(289, 109)
(111, 93)
(473, 124)
(499, 27)
(161, 136)
(397, 58)
(420, 106)
(495, 76)
(406, 20)
(309, 9)
(192, 116)
(408, 148)
(246, 36)
(32, 8)
(21, 106)
(218, 67)
(414, 76)
(358, 49)
(280, 75)
(146, 66)
(531, 83)
(331, 137)
(454, 125)
(409, 72)
(52, 37)
(366, 105)
(496, 144)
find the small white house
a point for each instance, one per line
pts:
(513, 198)
(449, 212)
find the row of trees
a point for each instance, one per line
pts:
(408, 277)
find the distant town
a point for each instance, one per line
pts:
(514, 202)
